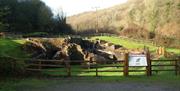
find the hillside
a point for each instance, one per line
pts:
(158, 20)
(12, 48)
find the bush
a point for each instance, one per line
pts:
(11, 67)
(167, 41)
(152, 35)
(178, 6)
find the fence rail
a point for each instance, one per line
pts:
(173, 63)
(40, 65)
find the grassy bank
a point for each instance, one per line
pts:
(132, 44)
(12, 48)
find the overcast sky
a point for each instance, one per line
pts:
(72, 7)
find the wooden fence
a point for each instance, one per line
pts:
(39, 66)
(67, 65)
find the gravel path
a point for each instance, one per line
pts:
(108, 86)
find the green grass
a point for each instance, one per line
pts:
(132, 44)
(12, 48)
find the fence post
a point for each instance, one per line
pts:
(148, 68)
(126, 64)
(96, 70)
(68, 67)
(13, 64)
(40, 67)
(176, 67)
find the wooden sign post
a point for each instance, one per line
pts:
(137, 60)
(148, 67)
(126, 64)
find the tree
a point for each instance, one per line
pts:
(3, 13)
(27, 15)
(45, 18)
(60, 24)
(1, 22)
(33, 16)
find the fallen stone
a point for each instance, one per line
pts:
(75, 52)
(34, 47)
(107, 54)
(62, 54)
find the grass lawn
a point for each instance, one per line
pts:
(12, 48)
(132, 44)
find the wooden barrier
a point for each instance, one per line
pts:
(96, 70)
(174, 63)
(148, 68)
(178, 66)
(68, 68)
(125, 65)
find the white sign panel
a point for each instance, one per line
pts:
(137, 60)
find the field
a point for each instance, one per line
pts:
(12, 48)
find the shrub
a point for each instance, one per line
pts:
(178, 5)
(152, 35)
(167, 41)
(11, 67)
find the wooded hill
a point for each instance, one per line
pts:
(158, 20)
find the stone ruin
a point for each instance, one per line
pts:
(74, 49)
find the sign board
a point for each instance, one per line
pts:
(137, 60)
